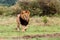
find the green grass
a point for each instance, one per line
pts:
(8, 25)
(9, 30)
(58, 38)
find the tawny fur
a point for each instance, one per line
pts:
(23, 19)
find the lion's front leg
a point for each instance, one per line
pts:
(18, 23)
(18, 27)
(24, 28)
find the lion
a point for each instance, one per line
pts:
(23, 19)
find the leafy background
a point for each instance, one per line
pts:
(36, 7)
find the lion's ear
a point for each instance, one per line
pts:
(27, 11)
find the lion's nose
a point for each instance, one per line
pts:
(26, 17)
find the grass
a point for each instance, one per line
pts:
(8, 25)
(58, 38)
(45, 38)
(6, 31)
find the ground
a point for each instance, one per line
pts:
(36, 29)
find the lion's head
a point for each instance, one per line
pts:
(25, 15)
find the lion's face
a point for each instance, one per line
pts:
(25, 15)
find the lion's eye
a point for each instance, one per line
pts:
(25, 11)
(22, 13)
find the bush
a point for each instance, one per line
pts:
(45, 20)
(37, 8)
(6, 11)
(34, 7)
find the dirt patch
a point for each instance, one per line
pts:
(34, 36)
(43, 35)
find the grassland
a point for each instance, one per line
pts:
(36, 26)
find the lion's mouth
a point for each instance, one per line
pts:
(26, 19)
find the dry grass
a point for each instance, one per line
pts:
(51, 21)
(34, 21)
(7, 20)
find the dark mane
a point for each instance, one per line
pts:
(23, 22)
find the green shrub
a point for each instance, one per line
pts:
(7, 11)
(37, 8)
(34, 7)
(45, 20)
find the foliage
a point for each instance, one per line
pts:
(4, 10)
(45, 20)
(40, 7)
(37, 8)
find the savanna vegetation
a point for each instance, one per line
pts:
(37, 7)
(45, 18)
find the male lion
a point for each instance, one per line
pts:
(23, 19)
